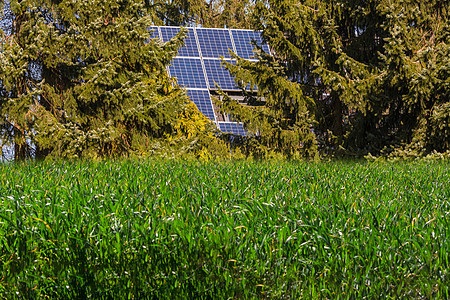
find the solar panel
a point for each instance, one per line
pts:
(190, 49)
(234, 128)
(189, 72)
(243, 42)
(154, 32)
(202, 100)
(218, 74)
(214, 42)
(197, 66)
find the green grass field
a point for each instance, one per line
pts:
(167, 229)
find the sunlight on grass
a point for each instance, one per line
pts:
(164, 228)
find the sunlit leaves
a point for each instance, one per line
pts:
(165, 228)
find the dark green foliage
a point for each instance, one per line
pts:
(414, 78)
(168, 229)
(83, 79)
(304, 83)
(227, 13)
(282, 122)
(375, 73)
(211, 13)
(175, 13)
(345, 77)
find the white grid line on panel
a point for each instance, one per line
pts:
(232, 41)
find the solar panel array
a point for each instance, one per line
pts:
(218, 76)
(243, 40)
(198, 67)
(232, 127)
(190, 49)
(189, 72)
(215, 42)
(202, 99)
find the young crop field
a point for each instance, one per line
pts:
(173, 229)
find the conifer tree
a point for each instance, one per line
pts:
(403, 84)
(293, 83)
(279, 119)
(374, 73)
(414, 77)
(85, 79)
(211, 13)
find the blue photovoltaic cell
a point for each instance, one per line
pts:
(231, 127)
(187, 67)
(189, 72)
(214, 42)
(202, 100)
(154, 32)
(218, 74)
(190, 48)
(243, 42)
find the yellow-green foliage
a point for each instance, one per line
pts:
(85, 79)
